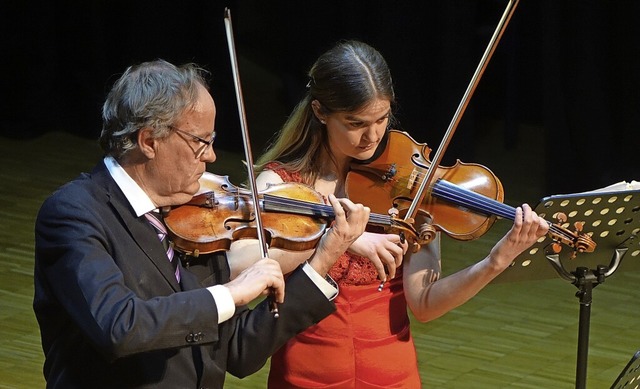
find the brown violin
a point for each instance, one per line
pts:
(294, 217)
(463, 201)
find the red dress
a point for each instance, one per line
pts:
(366, 343)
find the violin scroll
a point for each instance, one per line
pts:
(579, 241)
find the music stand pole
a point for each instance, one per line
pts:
(585, 280)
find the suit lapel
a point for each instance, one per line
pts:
(139, 228)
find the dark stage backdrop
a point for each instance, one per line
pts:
(567, 70)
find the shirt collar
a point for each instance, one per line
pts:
(137, 197)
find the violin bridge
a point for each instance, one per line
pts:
(412, 179)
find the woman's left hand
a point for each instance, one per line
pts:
(527, 228)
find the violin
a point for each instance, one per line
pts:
(388, 182)
(294, 217)
(463, 201)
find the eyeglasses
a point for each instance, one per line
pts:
(205, 143)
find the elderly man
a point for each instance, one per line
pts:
(115, 308)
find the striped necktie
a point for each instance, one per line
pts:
(155, 218)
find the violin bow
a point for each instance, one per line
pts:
(437, 158)
(247, 147)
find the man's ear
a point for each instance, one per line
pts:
(146, 142)
(315, 105)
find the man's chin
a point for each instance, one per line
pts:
(183, 198)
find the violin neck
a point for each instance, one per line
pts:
(458, 195)
(485, 205)
(271, 203)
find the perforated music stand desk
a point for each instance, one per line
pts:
(629, 378)
(611, 217)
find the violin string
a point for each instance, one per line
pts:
(420, 174)
(302, 206)
(451, 192)
(448, 191)
(560, 232)
(473, 200)
(481, 200)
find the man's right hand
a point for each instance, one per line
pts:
(261, 278)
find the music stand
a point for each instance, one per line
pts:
(630, 375)
(611, 217)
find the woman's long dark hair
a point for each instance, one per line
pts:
(344, 79)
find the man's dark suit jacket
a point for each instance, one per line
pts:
(112, 314)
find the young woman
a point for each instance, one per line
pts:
(366, 343)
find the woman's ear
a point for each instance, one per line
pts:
(315, 105)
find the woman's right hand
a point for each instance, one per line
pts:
(350, 222)
(385, 251)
